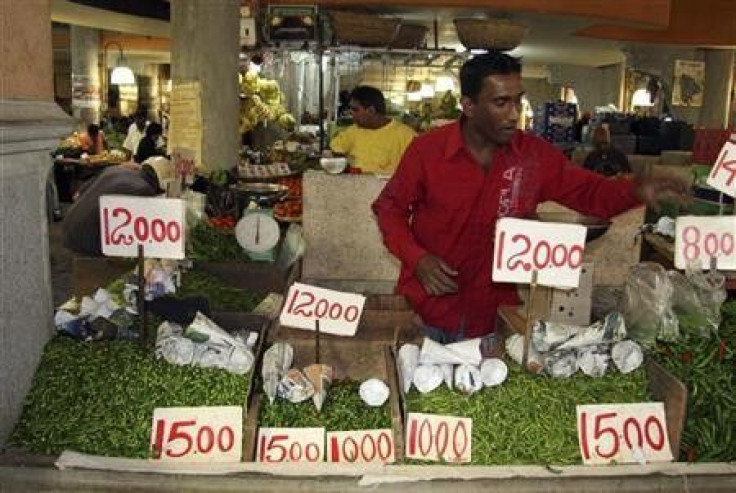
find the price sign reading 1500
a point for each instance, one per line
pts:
(553, 250)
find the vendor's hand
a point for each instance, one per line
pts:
(652, 190)
(436, 276)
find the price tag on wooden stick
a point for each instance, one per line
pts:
(364, 446)
(439, 438)
(279, 445)
(338, 312)
(698, 239)
(553, 250)
(197, 434)
(623, 433)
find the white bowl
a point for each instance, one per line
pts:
(333, 165)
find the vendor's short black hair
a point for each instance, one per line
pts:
(93, 129)
(154, 129)
(479, 67)
(369, 96)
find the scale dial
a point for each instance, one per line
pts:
(257, 232)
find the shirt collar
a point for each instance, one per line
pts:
(455, 141)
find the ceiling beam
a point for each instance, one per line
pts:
(68, 12)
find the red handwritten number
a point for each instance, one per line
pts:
(273, 445)
(384, 453)
(557, 261)
(459, 451)
(584, 435)
(295, 456)
(539, 264)
(729, 166)
(425, 438)
(300, 309)
(351, 455)
(176, 434)
(691, 250)
(351, 313)
(499, 256)
(525, 249)
(158, 443)
(599, 431)
(121, 238)
(293, 299)
(158, 230)
(639, 438)
(710, 245)
(444, 432)
(651, 420)
(413, 437)
(315, 448)
(335, 314)
(173, 231)
(205, 431)
(140, 226)
(368, 439)
(578, 251)
(225, 432)
(106, 225)
(321, 309)
(727, 244)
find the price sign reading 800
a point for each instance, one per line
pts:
(698, 239)
(553, 250)
(155, 223)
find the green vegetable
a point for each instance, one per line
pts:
(98, 398)
(343, 410)
(530, 419)
(208, 243)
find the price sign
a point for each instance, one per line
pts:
(278, 445)
(184, 161)
(554, 250)
(438, 438)
(338, 313)
(623, 433)
(723, 173)
(197, 434)
(698, 239)
(361, 446)
(155, 223)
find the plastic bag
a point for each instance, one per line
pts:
(648, 304)
(697, 299)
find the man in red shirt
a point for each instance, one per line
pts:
(438, 212)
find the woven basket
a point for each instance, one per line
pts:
(497, 34)
(410, 36)
(363, 29)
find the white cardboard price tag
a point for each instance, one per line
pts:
(723, 173)
(554, 250)
(197, 434)
(699, 238)
(623, 433)
(156, 223)
(439, 438)
(184, 163)
(279, 445)
(338, 313)
(364, 446)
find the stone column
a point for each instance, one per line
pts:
(85, 50)
(205, 48)
(717, 91)
(30, 127)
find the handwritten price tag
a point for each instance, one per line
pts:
(338, 312)
(438, 438)
(155, 223)
(197, 434)
(723, 173)
(278, 445)
(623, 433)
(361, 446)
(698, 239)
(183, 160)
(554, 250)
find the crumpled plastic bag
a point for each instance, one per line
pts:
(407, 360)
(276, 362)
(550, 336)
(697, 299)
(627, 356)
(468, 379)
(456, 353)
(374, 392)
(295, 387)
(593, 360)
(647, 304)
(427, 378)
(562, 363)
(515, 350)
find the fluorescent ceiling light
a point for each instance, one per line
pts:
(122, 75)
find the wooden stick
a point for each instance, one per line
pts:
(142, 295)
(529, 321)
(316, 341)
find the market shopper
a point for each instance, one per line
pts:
(93, 141)
(374, 142)
(604, 158)
(82, 222)
(136, 132)
(438, 212)
(149, 145)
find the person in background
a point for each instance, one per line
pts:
(374, 142)
(149, 145)
(438, 212)
(604, 158)
(343, 111)
(93, 141)
(81, 226)
(136, 131)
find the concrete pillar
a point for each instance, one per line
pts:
(85, 50)
(717, 91)
(30, 127)
(205, 48)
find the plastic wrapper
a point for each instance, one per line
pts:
(515, 350)
(648, 304)
(627, 356)
(493, 371)
(235, 358)
(295, 387)
(697, 299)
(468, 379)
(172, 346)
(276, 362)
(448, 374)
(593, 360)
(321, 378)
(374, 392)
(100, 304)
(456, 353)
(427, 378)
(562, 363)
(408, 359)
(550, 336)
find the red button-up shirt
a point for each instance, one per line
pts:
(441, 202)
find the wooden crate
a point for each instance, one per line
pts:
(663, 386)
(350, 359)
(90, 273)
(255, 277)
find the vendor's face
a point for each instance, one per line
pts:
(495, 111)
(361, 114)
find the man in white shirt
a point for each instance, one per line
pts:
(136, 131)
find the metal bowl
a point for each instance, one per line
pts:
(596, 227)
(264, 194)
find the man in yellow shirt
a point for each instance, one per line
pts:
(374, 142)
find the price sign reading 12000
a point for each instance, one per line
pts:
(155, 223)
(553, 250)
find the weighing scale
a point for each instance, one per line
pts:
(257, 231)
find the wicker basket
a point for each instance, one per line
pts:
(497, 34)
(410, 36)
(363, 29)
